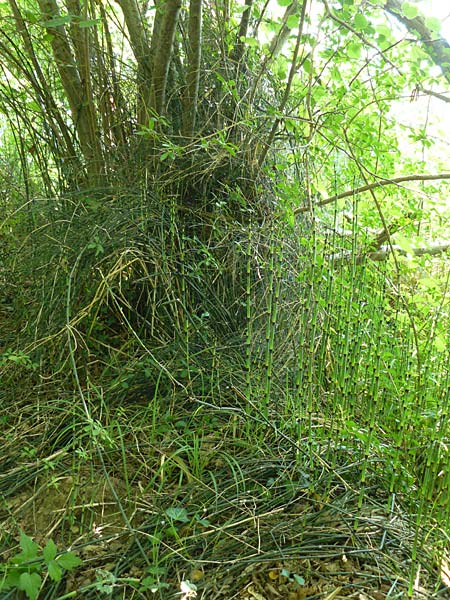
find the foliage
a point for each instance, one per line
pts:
(23, 571)
(225, 276)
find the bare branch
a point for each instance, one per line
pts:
(383, 253)
(374, 186)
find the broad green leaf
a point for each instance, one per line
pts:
(409, 11)
(284, 2)
(89, 23)
(440, 343)
(354, 50)
(49, 551)
(55, 570)
(307, 66)
(250, 42)
(360, 22)
(69, 561)
(58, 21)
(292, 21)
(383, 29)
(433, 24)
(30, 583)
(177, 513)
(29, 548)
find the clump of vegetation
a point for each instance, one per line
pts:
(224, 302)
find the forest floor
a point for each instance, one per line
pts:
(162, 519)
(187, 500)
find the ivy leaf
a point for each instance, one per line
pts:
(178, 513)
(49, 551)
(30, 583)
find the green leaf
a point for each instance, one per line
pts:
(69, 561)
(89, 23)
(383, 29)
(29, 548)
(178, 513)
(354, 50)
(55, 570)
(250, 41)
(298, 579)
(284, 2)
(49, 551)
(360, 22)
(433, 24)
(292, 21)
(30, 584)
(57, 21)
(409, 11)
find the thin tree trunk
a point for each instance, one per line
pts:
(141, 49)
(75, 90)
(194, 45)
(163, 55)
(64, 148)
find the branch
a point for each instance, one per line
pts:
(435, 94)
(242, 33)
(373, 186)
(140, 46)
(437, 48)
(384, 252)
(287, 90)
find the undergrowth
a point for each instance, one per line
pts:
(179, 400)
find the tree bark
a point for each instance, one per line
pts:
(163, 55)
(76, 93)
(194, 45)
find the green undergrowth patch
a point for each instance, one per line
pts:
(194, 501)
(204, 406)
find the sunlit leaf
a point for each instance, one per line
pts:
(354, 50)
(49, 551)
(409, 10)
(360, 22)
(29, 547)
